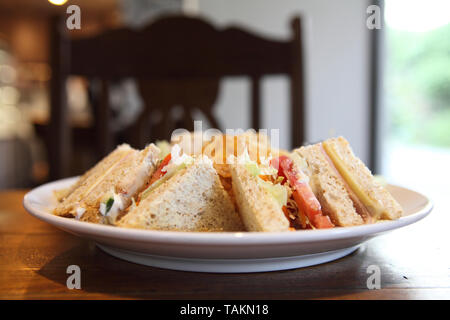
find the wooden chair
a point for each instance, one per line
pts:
(177, 61)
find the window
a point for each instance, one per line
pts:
(416, 96)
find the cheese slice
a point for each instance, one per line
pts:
(374, 207)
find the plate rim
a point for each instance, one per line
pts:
(216, 238)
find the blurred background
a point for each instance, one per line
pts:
(387, 91)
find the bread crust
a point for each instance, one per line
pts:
(390, 208)
(92, 177)
(328, 187)
(258, 210)
(126, 176)
(192, 200)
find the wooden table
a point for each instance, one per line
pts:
(34, 256)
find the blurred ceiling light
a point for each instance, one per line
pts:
(7, 74)
(417, 15)
(57, 2)
(13, 123)
(9, 95)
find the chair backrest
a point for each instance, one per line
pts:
(177, 61)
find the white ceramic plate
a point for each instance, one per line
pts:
(228, 251)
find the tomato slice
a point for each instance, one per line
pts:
(303, 195)
(322, 222)
(275, 162)
(159, 173)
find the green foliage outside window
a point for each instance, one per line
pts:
(418, 86)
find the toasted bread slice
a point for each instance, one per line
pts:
(328, 187)
(124, 178)
(374, 196)
(90, 179)
(93, 175)
(258, 209)
(192, 200)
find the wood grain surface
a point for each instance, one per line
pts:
(34, 256)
